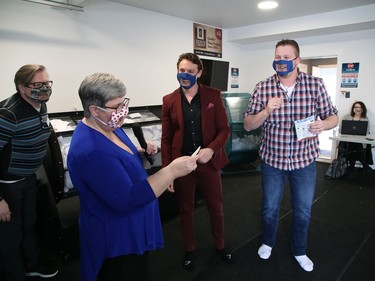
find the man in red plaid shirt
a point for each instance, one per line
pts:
(287, 97)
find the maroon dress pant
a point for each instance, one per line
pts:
(209, 180)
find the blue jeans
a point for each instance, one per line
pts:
(302, 188)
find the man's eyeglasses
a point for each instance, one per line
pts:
(38, 85)
(125, 103)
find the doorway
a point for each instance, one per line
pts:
(325, 68)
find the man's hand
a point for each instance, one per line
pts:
(171, 188)
(4, 211)
(151, 148)
(273, 104)
(205, 155)
(316, 127)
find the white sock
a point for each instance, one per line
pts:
(264, 251)
(305, 262)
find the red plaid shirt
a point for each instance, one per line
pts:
(279, 146)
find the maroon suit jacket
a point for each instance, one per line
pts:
(215, 126)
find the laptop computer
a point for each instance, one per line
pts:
(351, 127)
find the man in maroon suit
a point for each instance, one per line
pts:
(194, 116)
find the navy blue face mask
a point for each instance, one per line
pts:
(288, 63)
(186, 76)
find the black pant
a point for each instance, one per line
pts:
(17, 237)
(356, 152)
(126, 268)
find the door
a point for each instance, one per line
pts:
(325, 68)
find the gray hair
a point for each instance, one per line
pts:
(99, 88)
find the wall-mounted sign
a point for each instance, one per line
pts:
(207, 40)
(234, 74)
(349, 75)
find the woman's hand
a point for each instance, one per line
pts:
(163, 179)
(183, 165)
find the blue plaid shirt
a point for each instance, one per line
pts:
(279, 146)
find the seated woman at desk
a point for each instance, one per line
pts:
(357, 151)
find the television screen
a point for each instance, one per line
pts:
(215, 74)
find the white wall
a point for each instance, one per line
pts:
(142, 47)
(348, 47)
(139, 47)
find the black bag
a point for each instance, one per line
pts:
(338, 168)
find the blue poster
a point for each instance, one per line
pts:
(349, 76)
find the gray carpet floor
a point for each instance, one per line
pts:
(341, 237)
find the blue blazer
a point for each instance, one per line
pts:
(119, 213)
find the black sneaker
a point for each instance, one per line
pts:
(188, 263)
(41, 271)
(227, 257)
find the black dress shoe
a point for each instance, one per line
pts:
(226, 256)
(188, 262)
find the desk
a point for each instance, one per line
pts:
(357, 139)
(353, 138)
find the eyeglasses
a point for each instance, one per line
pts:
(38, 85)
(125, 103)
